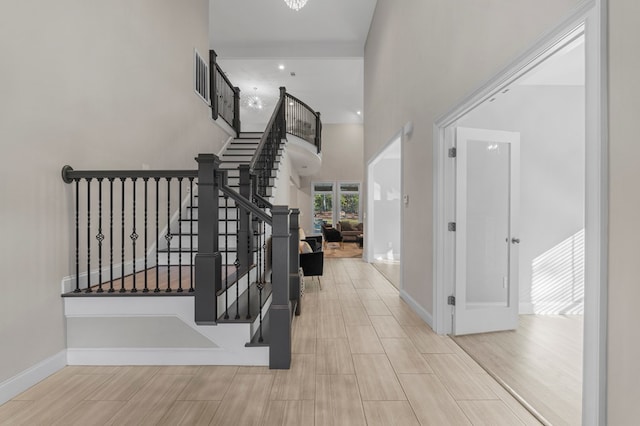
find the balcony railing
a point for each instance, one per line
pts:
(225, 99)
(290, 116)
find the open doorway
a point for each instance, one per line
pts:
(516, 258)
(384, 211)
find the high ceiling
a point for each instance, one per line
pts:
(323, 44)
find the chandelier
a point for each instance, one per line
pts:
(253, 101)
(296, 4)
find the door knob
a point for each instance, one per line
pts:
(515, 240)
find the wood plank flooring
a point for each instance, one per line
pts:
(541, 362)
(360, 357)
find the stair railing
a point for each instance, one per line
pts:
(292, 116)
(302, 121)
(121, 221)
(262, 163)
(130, 231)
(225, 97)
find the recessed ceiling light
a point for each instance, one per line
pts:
(280, 67)
(359, 112)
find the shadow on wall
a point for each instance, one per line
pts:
(558, 278)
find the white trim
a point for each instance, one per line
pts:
(526, 308)
(22, 381)
(168, 356)
(594, 385)
(229, 139)
(592, 14)
(422, 312)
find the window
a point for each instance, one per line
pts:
(350, 202)
(322, 205)
(327, 209)
(200, 77)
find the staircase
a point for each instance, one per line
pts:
(143, 330)
(189, 267)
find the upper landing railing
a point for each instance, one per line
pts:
(291, 116)
(225, 98)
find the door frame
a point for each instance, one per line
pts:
(592, 16)
(369, 214)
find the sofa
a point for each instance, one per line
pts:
(349, 231)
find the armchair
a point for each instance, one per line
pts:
(311, 256)
(331, 235)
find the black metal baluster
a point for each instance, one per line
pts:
(134, 236)
(111, 290)
(146, 244)
(77, 289)
(250, 258)
(179, 235)
(237, 264)
(261, 274)
(100, 236)
(88, 290)
(157, 289)
(168, 236)
(226, 256)
(191, 289)
(122, 269)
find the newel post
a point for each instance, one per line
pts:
(280, 309)
(283, 114)
(244, 248)
(318, 132)
(213, 90)
(236, 109)
(208, 263)
(294, 259)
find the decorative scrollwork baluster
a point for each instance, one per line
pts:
(100, 236)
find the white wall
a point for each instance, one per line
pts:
(420, 58)
(551, 123)
(387, 208)
(342, 150)
(97, 85)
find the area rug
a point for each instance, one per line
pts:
(334, 250)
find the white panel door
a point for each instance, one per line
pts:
(486, 272)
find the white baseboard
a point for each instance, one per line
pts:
(17, 384)
(168, 356)
(422, 312)
(525, 308)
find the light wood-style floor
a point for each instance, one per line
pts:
(541, 362)
(361, 357)
(390, 270)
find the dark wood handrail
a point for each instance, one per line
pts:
(302, 103)
(265, 135)
(69, 175)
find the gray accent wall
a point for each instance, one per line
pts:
(623, 348)
(95, 85)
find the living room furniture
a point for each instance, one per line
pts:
(349, 230)
(311, 256)
(331, 235)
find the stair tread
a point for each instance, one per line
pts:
(240, 305)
